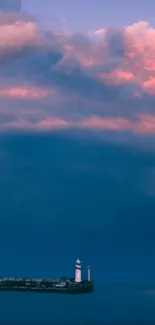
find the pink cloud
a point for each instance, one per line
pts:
(114, 124)
(26, 93)
(138, 63)
(101, 31)
(117, 77)
(87, 60)
(149, 86)
(17, 35)
(52, 123)
(140, 51)
(145, 124)
(101, 64)
(49, 123)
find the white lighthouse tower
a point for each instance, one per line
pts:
(78, 271)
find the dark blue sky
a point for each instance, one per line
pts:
(64, 197)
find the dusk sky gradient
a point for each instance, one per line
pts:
(77, 127)
(77, 155)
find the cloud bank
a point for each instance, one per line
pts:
(103, 80)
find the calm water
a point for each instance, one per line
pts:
(61, 199)
(108, 305)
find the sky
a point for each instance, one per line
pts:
(97, 77)
(92, 14)
(77, 127)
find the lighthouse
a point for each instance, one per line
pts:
(78, 271)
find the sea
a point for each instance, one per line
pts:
(109, 304)
(63, 198)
